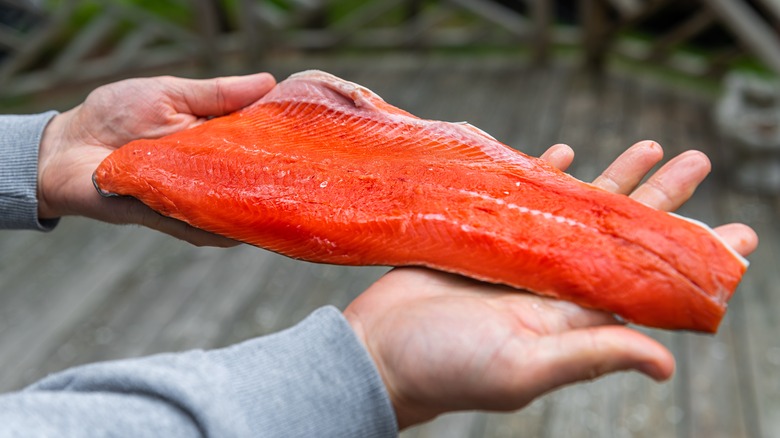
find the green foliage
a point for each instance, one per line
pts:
(176, 11)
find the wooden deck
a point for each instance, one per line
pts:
(90, 291)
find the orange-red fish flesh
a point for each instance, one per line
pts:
(324, 170)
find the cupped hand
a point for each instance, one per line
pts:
(75, 142)
(443, 343)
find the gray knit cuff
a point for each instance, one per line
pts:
(20, 138)
(315, 378)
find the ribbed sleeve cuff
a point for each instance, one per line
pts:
(315, 378)
(20, 138)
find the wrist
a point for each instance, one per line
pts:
(405, 413)
(50, 147)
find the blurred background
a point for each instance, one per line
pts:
(45, 44)
(596, 74)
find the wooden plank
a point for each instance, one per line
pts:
(577, 127)
(31, 7)
(363, 16)
(595, 25)
(753, 306)
(682, 62)
(69, 60)
(204, 295)
(699, 22)
(97, 71)
(772, 7)
(495, 13)
(188, 39)
(206, 16)
(418, 26)
(394, 37)
(529, 421)
(140, 306)
(62, 299)
(456, 425)
(355, 30)
(26, 16)
(251, 32)
(712, 386)
(31, 50)
(542, 12)
(10, 38)
(754, 310)
(720, 62)
(750, 28)
(268, 13)
(130, 47)
(533, 108)
(627, 7)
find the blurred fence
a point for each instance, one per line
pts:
(77, 41)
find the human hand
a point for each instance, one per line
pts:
(75, 142)
(443, 343)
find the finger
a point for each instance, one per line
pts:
(559, 155)
(675, 182)
(194, 236)
(625, 173)
(740, 237)
(126, 210)
(182, 230)
(219, 96)
(586, 354)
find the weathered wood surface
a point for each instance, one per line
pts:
(90, 291)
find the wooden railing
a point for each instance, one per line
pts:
(43, 50)
(754, 31)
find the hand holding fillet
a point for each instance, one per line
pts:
(324, 170)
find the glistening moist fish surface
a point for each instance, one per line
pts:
(324, 170)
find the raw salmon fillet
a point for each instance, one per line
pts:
(324, 170)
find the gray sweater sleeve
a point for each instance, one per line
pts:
(312, 380)
(20, 138)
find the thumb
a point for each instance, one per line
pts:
(126, 210)
(586, 354)
(219, 96)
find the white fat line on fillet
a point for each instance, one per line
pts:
(531, 211)
(438, 217)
